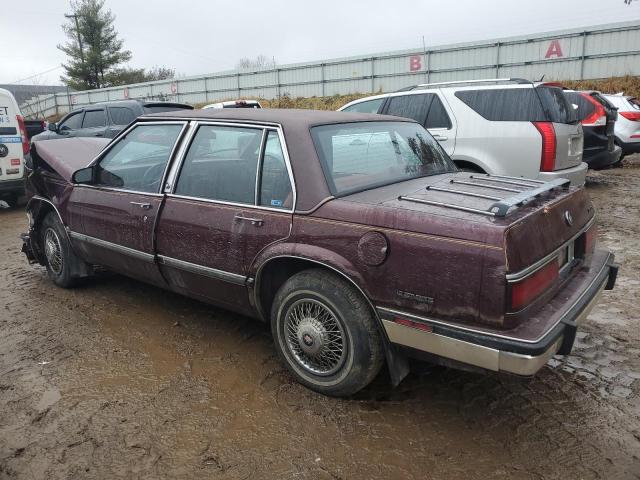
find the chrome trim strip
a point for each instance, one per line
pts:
(495, 335)
(531, 269)
(131, 252)
(526, 365)
(232, 204)
(491, 178)
(202, 270)
(516, 178)
(172, 175)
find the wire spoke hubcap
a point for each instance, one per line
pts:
(53, 251)
(315, 337)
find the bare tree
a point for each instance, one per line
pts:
(259, 62)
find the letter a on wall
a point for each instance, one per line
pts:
(554, 50)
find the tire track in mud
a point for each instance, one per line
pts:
(152, 385)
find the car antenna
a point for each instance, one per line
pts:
(541, 78)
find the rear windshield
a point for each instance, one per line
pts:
(364, 155)
(540, 104)
(164, 108)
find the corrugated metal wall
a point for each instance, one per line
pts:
(597, 52)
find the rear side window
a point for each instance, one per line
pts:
(275, 184)
(410, 106)
(585, 107)
(73, 122)
(121, 115)
(221, 164)
(94, 118)
(540, 104)
(370, 106)
(437, 116)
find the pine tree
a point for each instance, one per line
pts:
(93, 49)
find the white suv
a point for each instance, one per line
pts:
(507, 127)
(14, 144)
(627, 128)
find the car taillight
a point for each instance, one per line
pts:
(548, 156)
(528, 289)
(598, 117)
(23, 134)
(633, 116)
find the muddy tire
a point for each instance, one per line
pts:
(59, 257)
(325, 333)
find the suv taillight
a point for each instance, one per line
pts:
(633, 116)
(548, 155)
(23, 134)
(598, 117)
(530, 288)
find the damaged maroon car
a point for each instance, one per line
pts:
(353, 235)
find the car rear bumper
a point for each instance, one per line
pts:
(629, 147)
(495, 352)
(602, 158)
(576, 174)
(12, 186)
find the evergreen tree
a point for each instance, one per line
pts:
(94, 50)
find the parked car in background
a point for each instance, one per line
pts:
(14, 144)
(105, 119)
(627, 129)
(354, 235)
(34, 127)
(497, 126)
(598, 119)
(234, 104)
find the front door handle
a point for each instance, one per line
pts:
(258, 222)
(441, 138)
(144, 206)
(99, 135)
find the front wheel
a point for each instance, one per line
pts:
(59, 257)
(325, 333)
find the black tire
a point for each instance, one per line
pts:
(341, 317)
(60, 272)
(11, 199)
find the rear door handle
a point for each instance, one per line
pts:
(144, 206)
(440, 138)
(99, 135)
(258, 222)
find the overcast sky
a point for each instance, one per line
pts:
(202, 36)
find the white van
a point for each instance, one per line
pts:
(14, 145)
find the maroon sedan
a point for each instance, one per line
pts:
(354, 235)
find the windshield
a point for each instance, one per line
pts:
(364, 155)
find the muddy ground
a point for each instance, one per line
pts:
(117, 379)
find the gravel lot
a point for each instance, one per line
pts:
(117, 379)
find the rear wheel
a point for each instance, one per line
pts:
(326, 334)
(59, 257)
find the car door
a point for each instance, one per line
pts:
(94, 123)
(119, 208)
(232, 197)
(69, 125)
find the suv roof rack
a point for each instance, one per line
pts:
(525, 191)
(520, 81)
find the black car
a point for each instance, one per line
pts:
(598, 118)
(105, 119)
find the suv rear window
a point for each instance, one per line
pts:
(540, 104)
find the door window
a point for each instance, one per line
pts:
(275, 185)
(138, 160)
(121, 115)
(370, 106)
(94, 119)
(72, 122)
(410, 106)
(437, 117)
(221, 164)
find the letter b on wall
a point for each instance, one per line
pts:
(415, 63)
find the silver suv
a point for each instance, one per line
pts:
(507, 127)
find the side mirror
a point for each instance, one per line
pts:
(52, 127)
(83, 176)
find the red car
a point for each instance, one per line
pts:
(354, 235)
